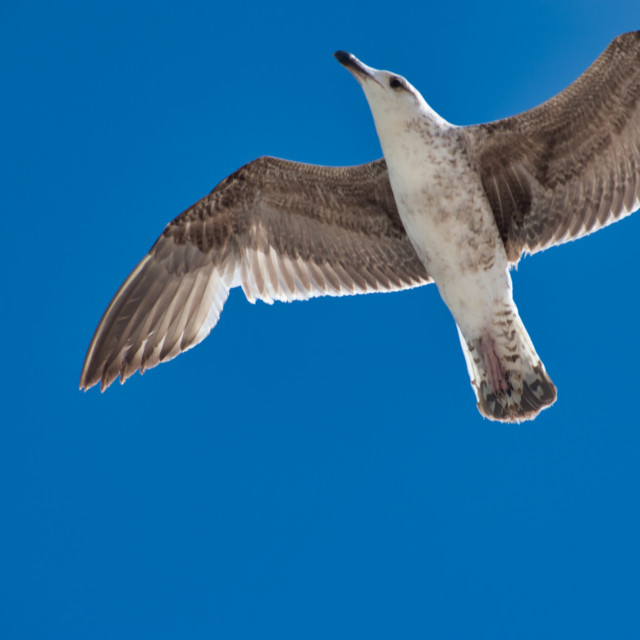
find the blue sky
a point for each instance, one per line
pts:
(313, 469)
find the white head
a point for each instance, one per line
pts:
(395, 104)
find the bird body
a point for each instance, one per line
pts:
(449, 221)
(453, 205)
(447, 217)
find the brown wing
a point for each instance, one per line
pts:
(280, 230)
(572, 165)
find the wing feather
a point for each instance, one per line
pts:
(572, 164)
(278, 229)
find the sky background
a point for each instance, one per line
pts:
(313, 469)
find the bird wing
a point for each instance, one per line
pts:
(571, 165)
(280, 230)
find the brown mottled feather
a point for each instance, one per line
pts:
(571, 165)
(282, 231)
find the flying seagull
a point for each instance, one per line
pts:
(457, 206)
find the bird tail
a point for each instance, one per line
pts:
(507, 376)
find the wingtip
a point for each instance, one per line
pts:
(89, 381)
(84, 386)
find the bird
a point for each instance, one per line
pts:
(457, 206)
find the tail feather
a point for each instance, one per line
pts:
(507, 376)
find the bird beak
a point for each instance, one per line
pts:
(359, 69)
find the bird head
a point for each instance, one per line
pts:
(387, 92)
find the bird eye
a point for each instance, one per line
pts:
(395, 82)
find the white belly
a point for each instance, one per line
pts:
(449, 222)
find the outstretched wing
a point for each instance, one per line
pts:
(571, 165)
(280, 230)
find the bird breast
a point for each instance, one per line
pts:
(449, 221)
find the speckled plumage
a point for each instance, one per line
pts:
(454, 205)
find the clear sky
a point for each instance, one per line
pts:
(317, 469)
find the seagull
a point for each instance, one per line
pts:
(454, 205)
